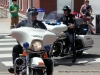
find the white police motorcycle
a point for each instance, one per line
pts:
(82, 41)
(37, 47)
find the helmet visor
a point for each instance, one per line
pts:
(33, 13)
(65, 10)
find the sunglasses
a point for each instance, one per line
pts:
(65, 10)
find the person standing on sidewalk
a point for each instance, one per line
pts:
(14, 9)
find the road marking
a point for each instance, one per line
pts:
(5, 55)
(96, 60)
(7, 40)
(80, 61)
(7, 63)
(6, 49)
(88, 60)
(85, 53)
(4, 34)
(12, 43)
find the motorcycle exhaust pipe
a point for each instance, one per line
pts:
(83, 49)
(19, 62)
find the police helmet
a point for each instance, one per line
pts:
(31, 11)
(66, 8)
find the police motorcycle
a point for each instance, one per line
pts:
(36, 45)
(82, 41)
(87, 20)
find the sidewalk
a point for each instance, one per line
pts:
(5, 73)
(4, 25)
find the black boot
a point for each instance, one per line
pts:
(11, 70)
(74, 60)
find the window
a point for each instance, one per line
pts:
(22, 5)
(28, 3)
(19, 3)
(3, 2)
(7, 2)
(60, 4)
(31, 4)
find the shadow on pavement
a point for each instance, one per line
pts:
(80, 61)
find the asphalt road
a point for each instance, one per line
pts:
(88, 63)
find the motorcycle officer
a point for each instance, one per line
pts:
(66, 19)
(31, 21)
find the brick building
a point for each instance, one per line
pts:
(48, 5)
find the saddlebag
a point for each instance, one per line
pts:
(87, 40)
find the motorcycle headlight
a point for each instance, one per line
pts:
(37, 46)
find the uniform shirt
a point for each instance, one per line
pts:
(12, 8)
(35, 24)
(66, 20)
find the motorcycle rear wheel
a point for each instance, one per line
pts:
(79, 53)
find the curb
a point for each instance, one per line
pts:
(5, 20)
(4, 73)
(7, 73)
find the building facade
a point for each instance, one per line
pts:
(48, 5)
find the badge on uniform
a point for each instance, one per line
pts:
(68, 18)
(73, 18)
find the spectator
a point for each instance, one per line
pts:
(86, 10)
(84, 7)
(14, 9)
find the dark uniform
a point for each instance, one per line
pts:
(67, 20)
(36, 23)
(70, 19)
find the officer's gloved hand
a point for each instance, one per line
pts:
(72, 25)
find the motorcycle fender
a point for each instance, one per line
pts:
(87, 40)
(37, 62)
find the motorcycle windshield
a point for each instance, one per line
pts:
(53, 17)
